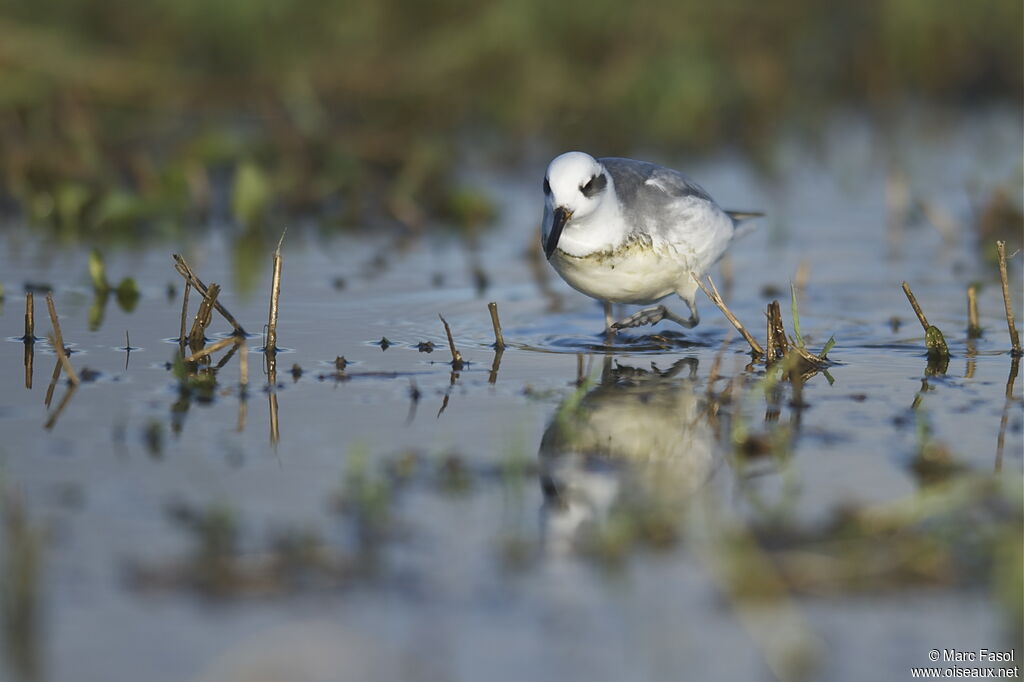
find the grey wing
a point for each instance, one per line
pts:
(636, 179)
(676, 185)
(671, 208)
(660, 201)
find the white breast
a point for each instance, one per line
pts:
(633, 273)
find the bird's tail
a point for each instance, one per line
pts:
(740, 217)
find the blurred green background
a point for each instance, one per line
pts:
(124, 120)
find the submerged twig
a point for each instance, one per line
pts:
(1005, 418)
(243, 364)
(499, 340)
(58, 342)
(1010, 323)
(275, 296)
(29, 360)
(456, 355)
(275, 428)
(185, 271)
(495, 366)
(973, 328)
(209, 350)
(716, 298)
(53, 384)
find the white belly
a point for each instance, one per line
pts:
(633, 274)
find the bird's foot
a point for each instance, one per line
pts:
(640, 318)
(653, 315)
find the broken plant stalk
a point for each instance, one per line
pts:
(1010, 322)
(58, 342)
(716, 298)
(973, 328)
(777, 344)
(182, 338)
(211, 349)
(30, 318)
(275, 297)
(499, 340)
(185, 271)
(933, 338)
(197, 336)
(243, 363)
(456, 355)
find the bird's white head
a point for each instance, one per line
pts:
(575, 186)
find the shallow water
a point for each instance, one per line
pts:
(486, 574)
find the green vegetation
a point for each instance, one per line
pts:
(120, 120)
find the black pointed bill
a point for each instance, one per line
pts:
(561, 217)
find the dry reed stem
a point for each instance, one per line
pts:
(271, 367)
(777, 346)
(185, 271)
(716, 298)
(456, 355)
(275, 296)
(917, 308)
(58, 342)
(63, 362)
(209, 350)
(204, 316)
(243, 363)
(1007, 303)
(809, 357)
(499, 340)
(30, 354)
(182, 338)
(973, 328)
(30, 318)
(934, 341)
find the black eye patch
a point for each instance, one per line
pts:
(594, 185)
(547, 186)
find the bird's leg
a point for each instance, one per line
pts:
(656, 314)
(608, 319)
(694, 317)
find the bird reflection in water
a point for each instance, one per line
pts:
(625, 457)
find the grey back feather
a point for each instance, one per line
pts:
(663, 200)
(631, 176)
(656, 200)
